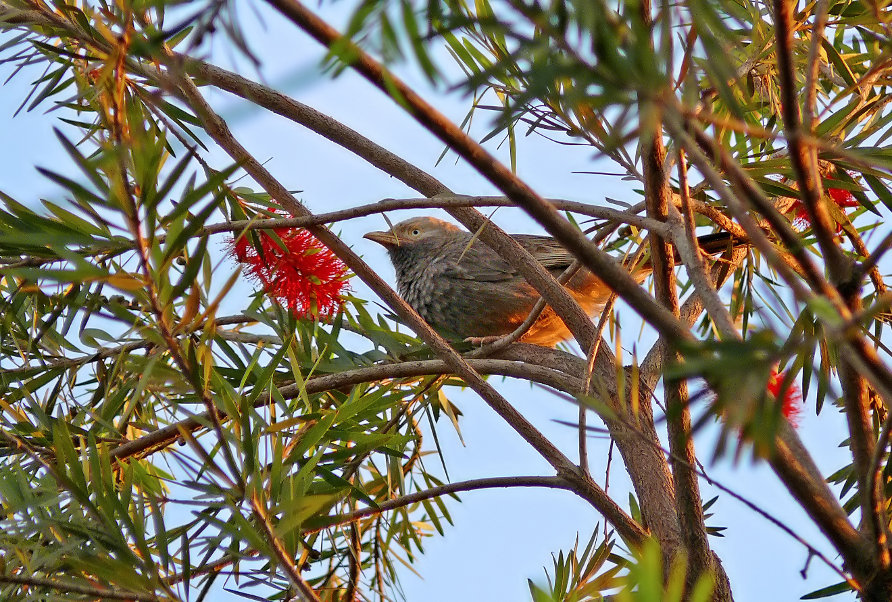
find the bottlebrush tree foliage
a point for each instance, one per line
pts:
(155, 442)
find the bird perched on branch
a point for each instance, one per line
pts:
(460, 285)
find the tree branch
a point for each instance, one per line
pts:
(792, 462)
(318, 122)
(165, 436)
(433, 492)
(797, 471)
(76, 588)
(437, 202)
(689, 251)
(688, 505)
(803, 158)
(283, 556)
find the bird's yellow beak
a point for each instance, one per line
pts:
(387, 239)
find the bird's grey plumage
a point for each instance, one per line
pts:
(460, 285)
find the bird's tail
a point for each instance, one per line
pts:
(715, 243)
(712, 244)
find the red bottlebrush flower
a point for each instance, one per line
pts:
(791, 403)
(304, 276)
(844, 199)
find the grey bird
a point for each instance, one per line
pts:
(460, 285)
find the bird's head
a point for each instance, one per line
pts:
(414, 233)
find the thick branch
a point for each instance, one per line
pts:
(797, 471)
(683, 458)
(804, 159)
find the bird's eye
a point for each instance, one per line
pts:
(416, 232)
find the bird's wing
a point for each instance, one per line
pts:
(546, 250)
(479, 262)
(471, 259)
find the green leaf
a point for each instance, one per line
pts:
(826, 592)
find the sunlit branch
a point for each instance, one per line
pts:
(814, 62)
(802, 158)
(167, 435)
(869, 265)
(629, 217)
(658, 199)
(354, 559)
(689, 250)
(798, 473)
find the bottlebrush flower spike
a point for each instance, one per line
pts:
(791, 402)
(844, 199)
(295, 269)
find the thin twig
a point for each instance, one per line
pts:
(433, 492)
(282, 555)
(587, 381)
(69, 587)
(814, 63)
(438, 202)
(879, 451)
(869, 265)
(689, 250)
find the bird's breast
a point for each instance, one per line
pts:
(426, 293)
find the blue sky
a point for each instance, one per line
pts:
(500, 537)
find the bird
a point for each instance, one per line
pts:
(462, 287)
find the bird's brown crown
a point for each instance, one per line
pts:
(412, 230)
